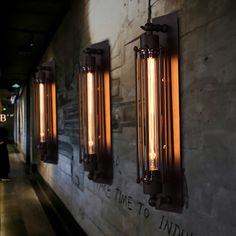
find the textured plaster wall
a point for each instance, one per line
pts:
(208, 119)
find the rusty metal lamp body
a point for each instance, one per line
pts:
(45, 120)
(94, 106)
(158, 120)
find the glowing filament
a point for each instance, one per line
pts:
(54, 111)
(42, 112)
(152, 113)
(91, 113)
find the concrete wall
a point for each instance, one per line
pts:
(208, 119)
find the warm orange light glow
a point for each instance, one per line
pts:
(175, 107)
(54, 111)
(91, 113)
(107, 109)
(42, 127)
(153, 138)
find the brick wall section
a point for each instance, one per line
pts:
(208, 119)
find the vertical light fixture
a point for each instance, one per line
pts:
(157, 107)
(45, 122)
(95, 119)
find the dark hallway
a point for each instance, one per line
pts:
(26, 208)
(21, 211)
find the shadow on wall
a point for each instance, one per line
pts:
(80, 28)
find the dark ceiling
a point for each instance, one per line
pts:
(27, 26)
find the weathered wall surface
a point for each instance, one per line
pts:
(208, 119)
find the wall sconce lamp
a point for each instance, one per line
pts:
(45, 120)
(158, 119)
(95, 119)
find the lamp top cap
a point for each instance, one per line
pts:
(149, 41)
(150, 27)
(93, 51)
(90, 61)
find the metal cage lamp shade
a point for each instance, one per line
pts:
(157, 108)
(45, 122)
(95, 124)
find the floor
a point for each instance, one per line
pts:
(21, 213)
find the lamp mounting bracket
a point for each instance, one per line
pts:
(42, 67)
(93, 51)
(150, 27)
